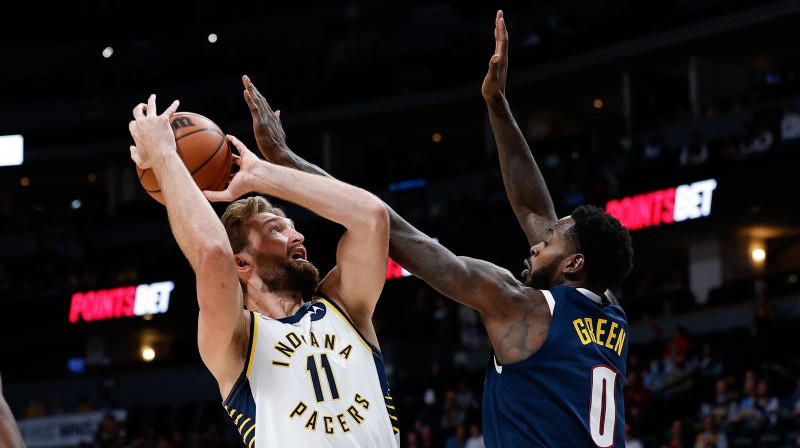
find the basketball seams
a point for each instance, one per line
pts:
(211, 157)
(199, 130)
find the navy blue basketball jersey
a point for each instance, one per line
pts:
(568, 393)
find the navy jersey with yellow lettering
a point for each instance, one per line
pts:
(568, 393)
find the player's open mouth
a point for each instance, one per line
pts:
(299, 253)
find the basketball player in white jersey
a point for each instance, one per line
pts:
(292, 374)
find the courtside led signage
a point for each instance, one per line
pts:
(394, 270)
(665, 206)
(125, 301)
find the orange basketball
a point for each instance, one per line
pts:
(204, 150)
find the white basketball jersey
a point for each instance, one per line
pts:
(311, 380)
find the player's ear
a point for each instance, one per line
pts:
(575, 263)
(244, 262)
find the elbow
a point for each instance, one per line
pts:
(375, 215)
(213, 255)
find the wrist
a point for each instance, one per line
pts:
(496, 102)
(164, 158)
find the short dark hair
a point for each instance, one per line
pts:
(605, 244)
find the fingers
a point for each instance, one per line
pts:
(239, 145)
(237, 160)
(151, 105)
(250, 103)
(135, 156)
(171, 109)
(138, 111)
(278, 114)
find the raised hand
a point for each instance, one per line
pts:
(267, 125)
(151, 132)
(494, 84)
(243, 181)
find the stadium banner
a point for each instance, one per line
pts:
(125, 301)
(64, 430)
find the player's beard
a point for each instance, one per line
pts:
(544, 276)
(282, 274)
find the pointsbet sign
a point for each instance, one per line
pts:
(665, 206)
(126, 301)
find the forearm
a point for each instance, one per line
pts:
(526, 188)
(290, 159)
(194, 223)
(327, 197)
(424, 257)
(9, 432)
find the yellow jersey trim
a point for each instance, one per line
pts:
(253, 340)
(333, 308)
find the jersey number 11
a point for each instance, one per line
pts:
(311, 365)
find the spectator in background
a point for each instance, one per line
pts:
(707, 364)
(710, 437)
(630, 441)
(457, 440)
(411, 440)
(109, 434)
(694, 152)
(475, 437)
(790, 124)
(678, 347)
(426, 439)
(677, 436)
(721, 405)
(744, 410)
(453, 413)
(766, 403)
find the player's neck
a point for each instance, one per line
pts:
(276, 305)
(581, 284)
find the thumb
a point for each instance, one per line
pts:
(493, 64)
(217, 196)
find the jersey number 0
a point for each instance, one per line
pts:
(602, 407)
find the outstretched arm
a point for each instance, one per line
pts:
(475, 283)
(523, 181)
(361, 257)
(9, 432)
(222, 325)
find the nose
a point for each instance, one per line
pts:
(535, 249)
(297, 237)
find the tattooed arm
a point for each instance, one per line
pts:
(516, 317)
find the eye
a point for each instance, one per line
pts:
(274, 229)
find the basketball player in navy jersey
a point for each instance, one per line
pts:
(607, 247)
(559, 344)
(291, 373)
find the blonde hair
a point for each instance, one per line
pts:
(239, 213)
